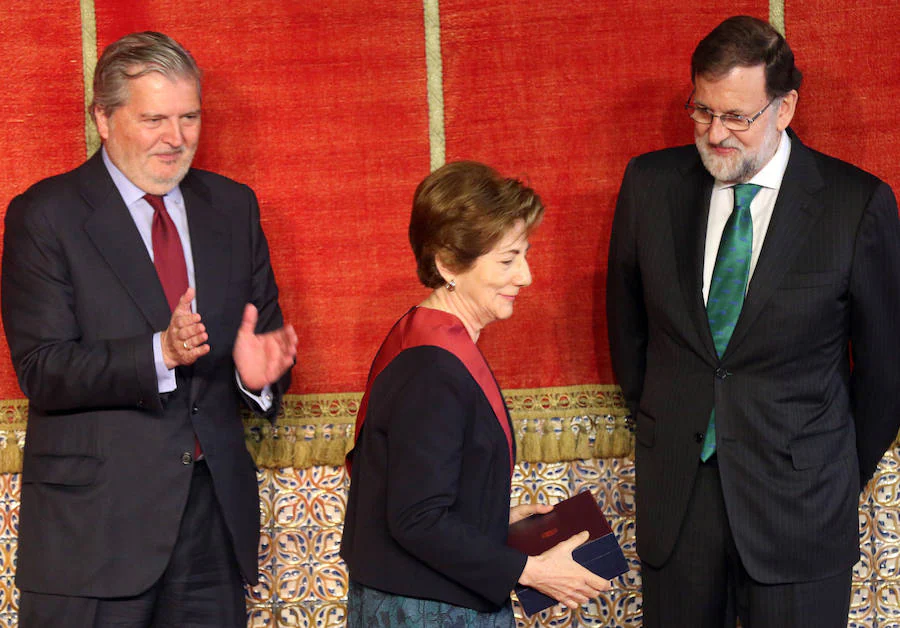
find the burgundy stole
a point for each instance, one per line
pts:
(423, 326)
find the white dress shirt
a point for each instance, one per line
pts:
(722, 202)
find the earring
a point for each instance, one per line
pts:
(451, 286)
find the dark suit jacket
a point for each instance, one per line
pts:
(428, 510)
(104, 480)
(798, 426)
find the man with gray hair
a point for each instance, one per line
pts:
(140, 309)
(753, 295)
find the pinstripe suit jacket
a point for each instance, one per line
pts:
(807, 394)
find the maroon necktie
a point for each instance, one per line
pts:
(168, 257)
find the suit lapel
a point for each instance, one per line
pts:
(112, 230)
(796, 210)
(211, 250)
(689, 203)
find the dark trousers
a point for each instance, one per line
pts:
(200, 588)
(704, 583)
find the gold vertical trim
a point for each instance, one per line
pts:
(435, 83)
(776, 15)
(89, 61)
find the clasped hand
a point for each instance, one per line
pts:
(184, 340)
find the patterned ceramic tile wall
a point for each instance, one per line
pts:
(303, 581)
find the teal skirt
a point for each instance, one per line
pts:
(370, 608)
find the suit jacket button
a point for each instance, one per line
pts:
(722, 373)
(698, 437)
(187, 458)
(195, 409)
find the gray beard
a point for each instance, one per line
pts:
(746, 167)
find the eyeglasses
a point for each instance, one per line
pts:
(731, 121)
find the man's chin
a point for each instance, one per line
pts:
(170, 179)
(720, 169)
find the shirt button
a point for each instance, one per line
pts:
(187, 458)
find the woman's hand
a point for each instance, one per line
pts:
(555, 573)
(523, 511)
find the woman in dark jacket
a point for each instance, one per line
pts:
(428, 511)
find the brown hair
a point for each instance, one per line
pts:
(460, 211)
(134, 56)
(744, 41)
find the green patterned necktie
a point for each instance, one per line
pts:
(728, 284)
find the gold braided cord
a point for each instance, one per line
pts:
(550, 425)
(434, 83)
(776, 15)
(522, 403)
(88, 63)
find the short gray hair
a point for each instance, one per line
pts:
(134, 56)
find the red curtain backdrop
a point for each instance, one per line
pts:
(322, 108)
(42, 129)
(565, 94)
(850, 55)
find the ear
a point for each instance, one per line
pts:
(102, 121)
(786, 109)
(442, 268)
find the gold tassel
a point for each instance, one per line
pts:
(603, 442)
(302, 452)
(282, 451)
(335, 449)
(318, 447)
(266, 456)
(531, 443)
(583, 449)
(567, 440)
(10, 455)
(549, 443)
(621, 442)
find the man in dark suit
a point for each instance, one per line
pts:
(140, 308)
(763, 372)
